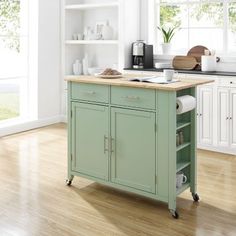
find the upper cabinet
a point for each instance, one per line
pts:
(103, 30)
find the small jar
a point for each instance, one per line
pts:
(177, 139)
(181, 137)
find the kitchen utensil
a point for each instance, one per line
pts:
(163, 65)
(209, 63)
(94, 70)
(184, 62)
(169, 74)
(180, 179)
(85, 64)
(107, 31)
(77, 67)
(197, 52)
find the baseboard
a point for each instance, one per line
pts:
(218, 149)
(28, 125)
(63, 118)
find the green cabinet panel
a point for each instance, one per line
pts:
(90, 92)
(133, 149)
(90, 140)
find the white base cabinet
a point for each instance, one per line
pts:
(226, 117)
(205, 115)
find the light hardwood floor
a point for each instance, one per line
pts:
(34, 200)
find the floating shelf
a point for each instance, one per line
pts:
(181, 125)
(84, 42)
(182, 146)
(182, 165)
(182, 189)
(91, 6)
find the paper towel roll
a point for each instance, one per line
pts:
(185, 103)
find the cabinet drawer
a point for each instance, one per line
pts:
(133, 97)
(90, 92)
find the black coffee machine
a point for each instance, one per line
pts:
(142, 55)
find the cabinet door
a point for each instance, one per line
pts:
(133, 149)
(90, 140)
(233, 118)
(223, 117)
(206, 115)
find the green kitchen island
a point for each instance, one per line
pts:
(123, 134)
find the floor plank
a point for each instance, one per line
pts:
(34, 200)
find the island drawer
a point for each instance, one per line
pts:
(133, 97)
(90, 92)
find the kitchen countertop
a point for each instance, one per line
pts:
(183, 84)
(197, 72)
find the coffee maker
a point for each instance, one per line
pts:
(142, 55)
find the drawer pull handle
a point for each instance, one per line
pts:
(112, 140)
(132, 97)
(105, 144)
(90, 92)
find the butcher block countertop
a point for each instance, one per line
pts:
(124, 81)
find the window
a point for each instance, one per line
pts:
(13, 59)
(210, 23)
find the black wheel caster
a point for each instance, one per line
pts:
(195, 197)
(68, 182)
(174, 214)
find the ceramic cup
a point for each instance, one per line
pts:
(79, 36)
(180, 179)
(74, 36)
(169, 74)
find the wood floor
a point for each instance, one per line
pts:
(34, 200)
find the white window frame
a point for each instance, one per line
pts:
(22, 80)
(152, 19)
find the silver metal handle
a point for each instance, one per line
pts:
(111, 143)
(90, 92)
(105, 144)
(132, 97)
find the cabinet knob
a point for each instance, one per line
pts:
(231, 82)
(230, 118)
(227, 118)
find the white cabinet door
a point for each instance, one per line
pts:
(206, 115)
(223, 117)
(233, 118)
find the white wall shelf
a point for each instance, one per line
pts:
(91, 6)
(87, 42)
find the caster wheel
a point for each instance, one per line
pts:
(174, 214)
(68, 182)
(195, 197)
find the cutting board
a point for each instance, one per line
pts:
(184, 62)
(197, 52)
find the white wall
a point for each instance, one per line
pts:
(49, 67)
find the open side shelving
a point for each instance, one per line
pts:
(181, 165)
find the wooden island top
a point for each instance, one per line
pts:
(124, 81)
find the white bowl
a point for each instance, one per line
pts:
(94, 70)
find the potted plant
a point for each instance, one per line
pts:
(167, 34)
